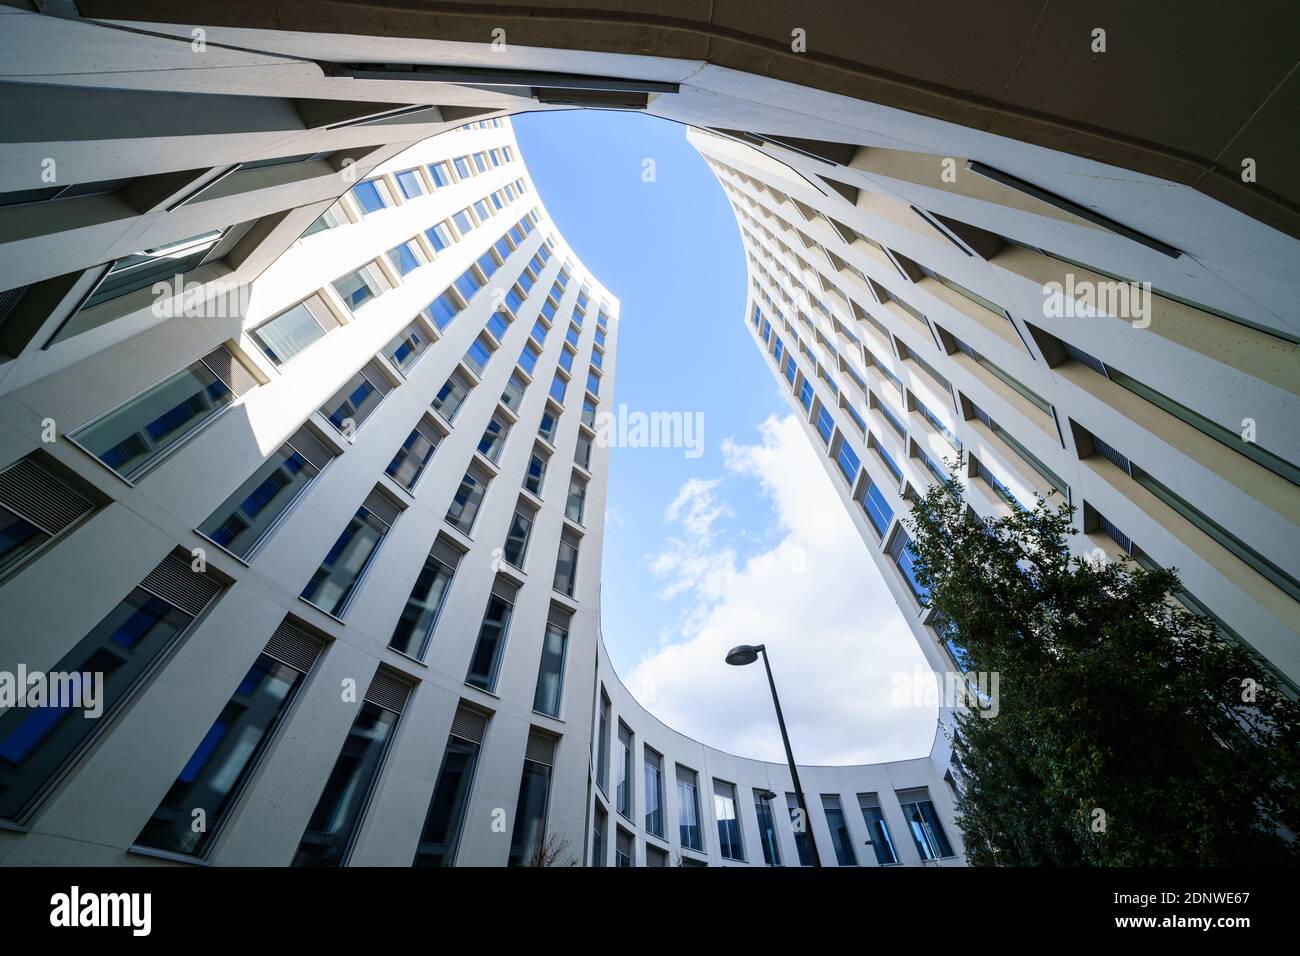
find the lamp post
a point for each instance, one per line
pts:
(747, 654)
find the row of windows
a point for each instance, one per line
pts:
(926, 830)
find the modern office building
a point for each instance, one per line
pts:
(298, 386)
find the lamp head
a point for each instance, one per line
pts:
(743, 654)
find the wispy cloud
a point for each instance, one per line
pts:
(813, 597)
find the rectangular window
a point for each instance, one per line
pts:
(408, 181)
(724, 808)
(468, 283)
(767, 827)
(293, 330)
(488, 650)
(226, 754)
(334, 823)
(494, 439)
(623, 771)
(550, 671)
(440, 236)
(536, 473)
(654, 793)
(582, 453)
(462, 221)
(901, 551)
(513, 394)
(927, 832)
(602, 745)
(558, 386)
(521, 529)
(528, 841)
(446, 816)
(406, 257)
(588, 413)
(825, 424)
(406, 347)
(36, 743)
(688, 810)
(414, 629)
(802, 830)
(566, 359)
(349, 407)
(566, 564)
(546, 427)
(593, 380)
(841, 839)
(599, 826)
(847, 460)
(468, 498)
(624, 848)
(358, 288)
(574, 504)
(332, 586)
(451, 396)
(143, 269)
(528, 358)
(440, 172)
(497, 325)
(477, 355)
(409, 463)
(243, 520)
(806, 394)
(443, 309)
(876, 507)
(368, 196)
(874, 817)
(137, 435)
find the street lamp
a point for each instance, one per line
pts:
(747, 654)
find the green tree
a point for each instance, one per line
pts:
(1129, 731)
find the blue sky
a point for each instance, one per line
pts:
(746, 538)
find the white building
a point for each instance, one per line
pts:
(385, 655)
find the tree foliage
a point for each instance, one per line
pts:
(1128, 732)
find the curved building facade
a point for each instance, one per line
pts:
(300, 474)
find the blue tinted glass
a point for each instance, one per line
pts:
(367, 196)
(442, 310)
(877, 509)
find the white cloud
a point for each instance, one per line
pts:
(814, 598)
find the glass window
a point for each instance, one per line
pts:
(404, 258)
(513, 394)
(529, 836)
(335, 820)
(419, 617)
(443, 309)
(903, 555)
(558, 386)
(623, 772)
(351, 405)
(624, 848)
(36, 742)
(536, 474)
(573, 506)
(463, 222)
(516, 546)
(688, 810)
(491, 642)
(335, 581)
(446, 817)
(293, 330)
(546, 428)
(767, 828)
(582, 455)
(588, 413)
(368, 196)
(440, 173)
(408, 180)
(494, 438)
(148, 266)
(848, 461)
(358, 288)
(139, 433)
(550, 672)
(409, 462)
(497, 325)
(874, 818)
(468, 283)
(825, 424)
(405, 348)
(477, 355)
(528, 358)
(223, 759)
(566, 360)
(439, 236)
(243, 519)
(451, 396)
(566, 565)
(602, 745)
(927, 832)
(465, 503)
(876, 507)
(654, 793)
(806, 394)
(599, 824)
(724, 808)
(841, 839)
(18, 538)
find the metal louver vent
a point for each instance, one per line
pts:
(174, 582)
(382, 507)
(31, 490)
(559, 617)
(375, 372)
(92, 189)
(9, 298)
(305, 443)
(223, 364)
(445, 553)
(293, 646)
(469, 724)
(505, 589)
(541, 749)
(388, 692)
